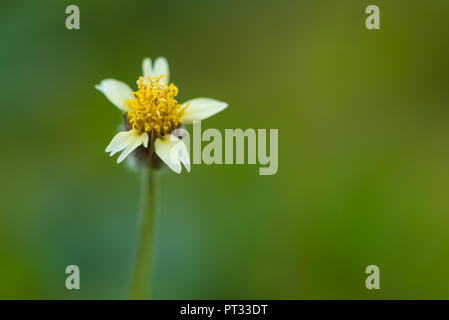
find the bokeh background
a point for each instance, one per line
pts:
(363, 175)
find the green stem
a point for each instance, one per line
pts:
(142, 269)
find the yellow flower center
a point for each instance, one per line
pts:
(153, 108)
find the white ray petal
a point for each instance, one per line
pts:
(172, 151)
(184, 156)
(116, 91)
(119, 142)
(161, 67)
(147, 68)
(201, 108)
(133, 142)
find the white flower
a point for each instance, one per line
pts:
(152, 113)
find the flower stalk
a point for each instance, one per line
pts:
(141, 275)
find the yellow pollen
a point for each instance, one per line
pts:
(153, 107)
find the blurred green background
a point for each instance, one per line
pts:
(363, 175)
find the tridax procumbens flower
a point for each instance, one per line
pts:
(151, 114)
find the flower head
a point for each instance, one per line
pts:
(152, 113)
